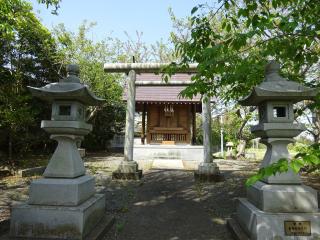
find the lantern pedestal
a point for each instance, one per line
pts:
(60, 191)
(260, 225)
(283, 198)
(57, 222)
(60, 207)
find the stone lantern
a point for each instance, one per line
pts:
(279, 206)
(63, 204)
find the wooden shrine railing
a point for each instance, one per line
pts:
(165, 135)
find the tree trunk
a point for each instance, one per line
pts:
(10, 149)
(241, 149)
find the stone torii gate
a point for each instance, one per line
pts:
(128, 168)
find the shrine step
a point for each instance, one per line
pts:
(167, 164)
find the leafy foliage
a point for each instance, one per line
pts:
(53, 3)
(90, 56)
(233, 43)
(233, 40)
(304, 159)
(27, 58)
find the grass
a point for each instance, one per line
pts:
(261, 152)
(28, 161)
(258, 152)
(119, 227)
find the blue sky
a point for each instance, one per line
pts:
(117, 16)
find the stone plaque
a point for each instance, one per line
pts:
(297, 228)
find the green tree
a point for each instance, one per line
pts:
(236, 127)
(27, 58)
(90, 56)
(79, 48)
(233, 41)
(51, 3)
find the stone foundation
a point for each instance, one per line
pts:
(208, 172)
(61, 192)
(57, 222)
(127, 170)
(260, 225)
(283, 198)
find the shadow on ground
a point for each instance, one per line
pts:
(169, 205)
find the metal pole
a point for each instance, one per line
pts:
(221, 136)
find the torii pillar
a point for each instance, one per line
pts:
(208, 171)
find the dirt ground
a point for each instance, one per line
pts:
(164, 205)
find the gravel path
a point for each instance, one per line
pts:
(169, 205)
(164, 205)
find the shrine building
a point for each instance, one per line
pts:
(166, 118)
(168, 121)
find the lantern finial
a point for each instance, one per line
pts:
(272, 71)
(72, 74)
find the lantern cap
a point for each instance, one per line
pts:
(275, 87)
(68, 88)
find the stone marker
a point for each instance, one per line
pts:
(280, 206)
(32, 171)
(62, 205)
(229, 155)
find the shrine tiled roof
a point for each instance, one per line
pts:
(162, 94)
(151, 88)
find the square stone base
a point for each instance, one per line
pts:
(127, 170)
(208, 172)
(206, 168)
(260, 225)
(61, 191)
(117, 175)
(283, 198)
(128, 167)
(57, 222)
